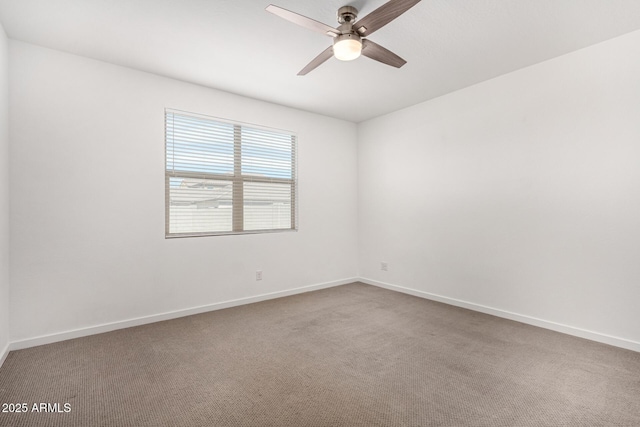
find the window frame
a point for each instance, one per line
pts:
(237, 179)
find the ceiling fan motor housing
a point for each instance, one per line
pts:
(347, 36)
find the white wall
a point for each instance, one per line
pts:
(520, 194)
(4, 195)
(87, 218)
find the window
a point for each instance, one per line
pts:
(227, 178)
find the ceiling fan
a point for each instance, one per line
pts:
(348, 41)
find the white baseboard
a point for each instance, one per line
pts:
(92, 330)
(4, 353)
(108, 327)
(558, 327)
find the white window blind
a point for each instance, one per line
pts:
(225, 178)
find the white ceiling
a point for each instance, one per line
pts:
(234, 45)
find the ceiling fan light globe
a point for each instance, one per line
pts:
(347, 48)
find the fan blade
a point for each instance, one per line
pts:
(382, 16)
(303, 21)
(318, 60)
(380, 54)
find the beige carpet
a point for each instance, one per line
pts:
(353, 355)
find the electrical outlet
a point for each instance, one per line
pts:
(384, 266)
(258, 274)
